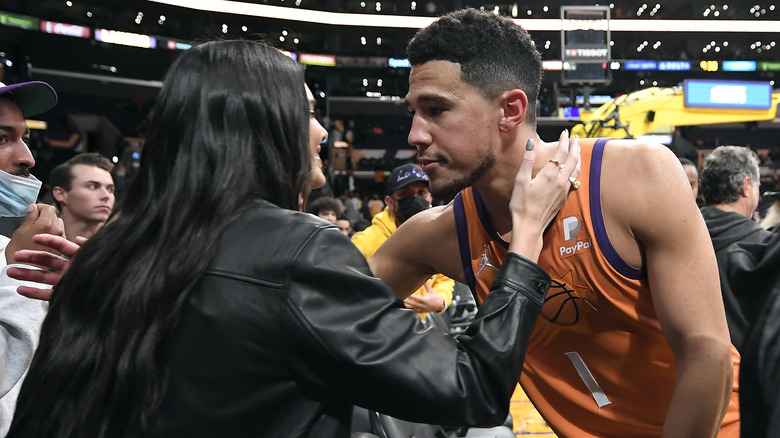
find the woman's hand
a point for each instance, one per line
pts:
(536, 200)
(54, 265)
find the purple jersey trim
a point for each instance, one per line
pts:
(597, 218)
(463, 243)
(487, 224)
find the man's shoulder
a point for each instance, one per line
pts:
(431, 225)
(629, 146)
(636, 163)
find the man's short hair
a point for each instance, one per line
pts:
(325, 203)
(495, 54)
(686, 162)
(720, 181)
(62, 175)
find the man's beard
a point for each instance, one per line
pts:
(448, 190)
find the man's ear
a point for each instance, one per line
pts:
(747, 187)
(389, 203)
(58, 193)
(515, 106)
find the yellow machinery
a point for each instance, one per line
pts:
(659, 110)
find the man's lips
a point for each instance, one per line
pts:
(427, 162)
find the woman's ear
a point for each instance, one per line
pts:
(515, 106)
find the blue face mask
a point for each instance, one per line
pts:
(16, 193)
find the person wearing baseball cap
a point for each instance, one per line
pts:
(408, 194)
(18, 188)
(20, 219)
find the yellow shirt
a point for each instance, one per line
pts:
(382, 226)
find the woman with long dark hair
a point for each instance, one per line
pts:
(210, 306)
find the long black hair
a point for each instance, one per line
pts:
(231, 125)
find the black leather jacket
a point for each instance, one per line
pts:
(754, 275)
(288, 329)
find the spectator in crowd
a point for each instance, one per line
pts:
(729, 187)
(407, 195)
(208, 306)
(20, 217)
(18, 187)
(692, 172)
(352, 206)
(83, 191)
(326, 207)
(345, 226)
(633, 339)
(375, 205)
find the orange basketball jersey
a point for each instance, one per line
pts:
(598, 363)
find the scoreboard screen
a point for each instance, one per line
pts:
(727, 94)
(585, 47)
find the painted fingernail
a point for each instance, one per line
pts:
(566, 132)
(529, 146)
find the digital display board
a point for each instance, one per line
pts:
(640, 65)
(20, 21)
(674, 66)
(315, 59)
(399, 63)
(73, 30)
(585, 48)
(125, 38)
(727, 94)
(739, 65)
(585, 33)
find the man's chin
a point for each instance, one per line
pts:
(446, 191)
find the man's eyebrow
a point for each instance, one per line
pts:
(430, 98)
(12, 129)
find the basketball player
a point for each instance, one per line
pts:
(633, 338)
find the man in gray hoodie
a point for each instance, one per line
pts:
(730, 188)
(20, 317)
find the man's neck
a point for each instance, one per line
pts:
(75, 227)
(495, 188)
(736, 207)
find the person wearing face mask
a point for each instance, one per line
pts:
(18, 187)
(408, 194)
(20, 219)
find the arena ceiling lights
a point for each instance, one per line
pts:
(414, 22)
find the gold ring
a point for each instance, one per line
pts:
(575, 183)
(558, 163)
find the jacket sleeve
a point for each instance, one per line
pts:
(351, 335)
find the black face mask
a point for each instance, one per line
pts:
(409, 207)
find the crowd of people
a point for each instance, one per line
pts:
(217, 299)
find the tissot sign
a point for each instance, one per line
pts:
(585, 33)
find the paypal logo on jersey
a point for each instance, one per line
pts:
(572, 225)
